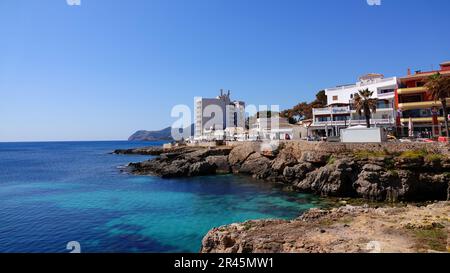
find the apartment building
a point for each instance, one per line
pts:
(416, 107)
(273, 128)
(340, 113)
(215, 118)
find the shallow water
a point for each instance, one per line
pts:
(56, 192)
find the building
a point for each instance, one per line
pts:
(340, 113)
(214, 115)
(274, 128)
(416, 107)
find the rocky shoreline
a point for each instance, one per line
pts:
(400, 172)
(391, 173)
(408, 229)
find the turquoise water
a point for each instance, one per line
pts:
(54, 193)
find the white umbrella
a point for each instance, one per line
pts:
(411, 127)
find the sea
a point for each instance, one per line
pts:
(58, 197)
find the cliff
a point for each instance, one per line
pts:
(388, 172)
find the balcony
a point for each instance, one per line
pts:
(354, 122)
(413, 90)
(420, 105)
(389, 95)
(331, 110)
(421, 120)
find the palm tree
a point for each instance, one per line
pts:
(363, 102)
(439, 88)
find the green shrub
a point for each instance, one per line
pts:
(435, 157)
(370, 154)
(414, 154)
(331, 160)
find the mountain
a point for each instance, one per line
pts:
(164, 134)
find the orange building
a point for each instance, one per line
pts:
(416, 108)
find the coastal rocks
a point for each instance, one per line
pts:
(240, 154)
(220, 164)
(141, 151)
(374, 184)
(201, 168)
(347, 229)
(319, 158)
(185, 161)
(377, 176)
(298, 172)
(176, 168)
(256, 165)
(332, 180)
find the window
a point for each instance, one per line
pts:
(420, 84)
(387, 91)
(335, 98)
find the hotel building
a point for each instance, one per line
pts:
(340, 113)
(415, 104)
(214, 117)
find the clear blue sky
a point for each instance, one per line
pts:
(104, 69)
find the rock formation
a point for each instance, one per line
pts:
(376, 172)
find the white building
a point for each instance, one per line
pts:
(340, 112)
(274, 128)
(216, 118)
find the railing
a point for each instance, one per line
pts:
(353, 122)
(386, 95)
(331, 110)
(361, 84)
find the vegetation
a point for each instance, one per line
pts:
(331, 160)
(304, 110)
(414, 154)
(439, 87)
(370, 154)
(434, 157)
(364, 104)
(434, 239)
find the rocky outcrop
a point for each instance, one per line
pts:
(155, 150)
(331, 180)
(379, 175)
(185, 162)
(341, 230)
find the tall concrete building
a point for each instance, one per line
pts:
(218, 114)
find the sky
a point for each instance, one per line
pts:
(106, 68)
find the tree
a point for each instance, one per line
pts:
(363, 103)
(304, 110)
(439, 88)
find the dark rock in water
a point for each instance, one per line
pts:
(176, 168)
(185, 161)
(201, 168)
(141, 151)
(220, 162)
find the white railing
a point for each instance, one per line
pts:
(331, 110)
(353, 122)
(359, 84)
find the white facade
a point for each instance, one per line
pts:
(214, 115)
(274, 128)
(340, 113)
(382, 88)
